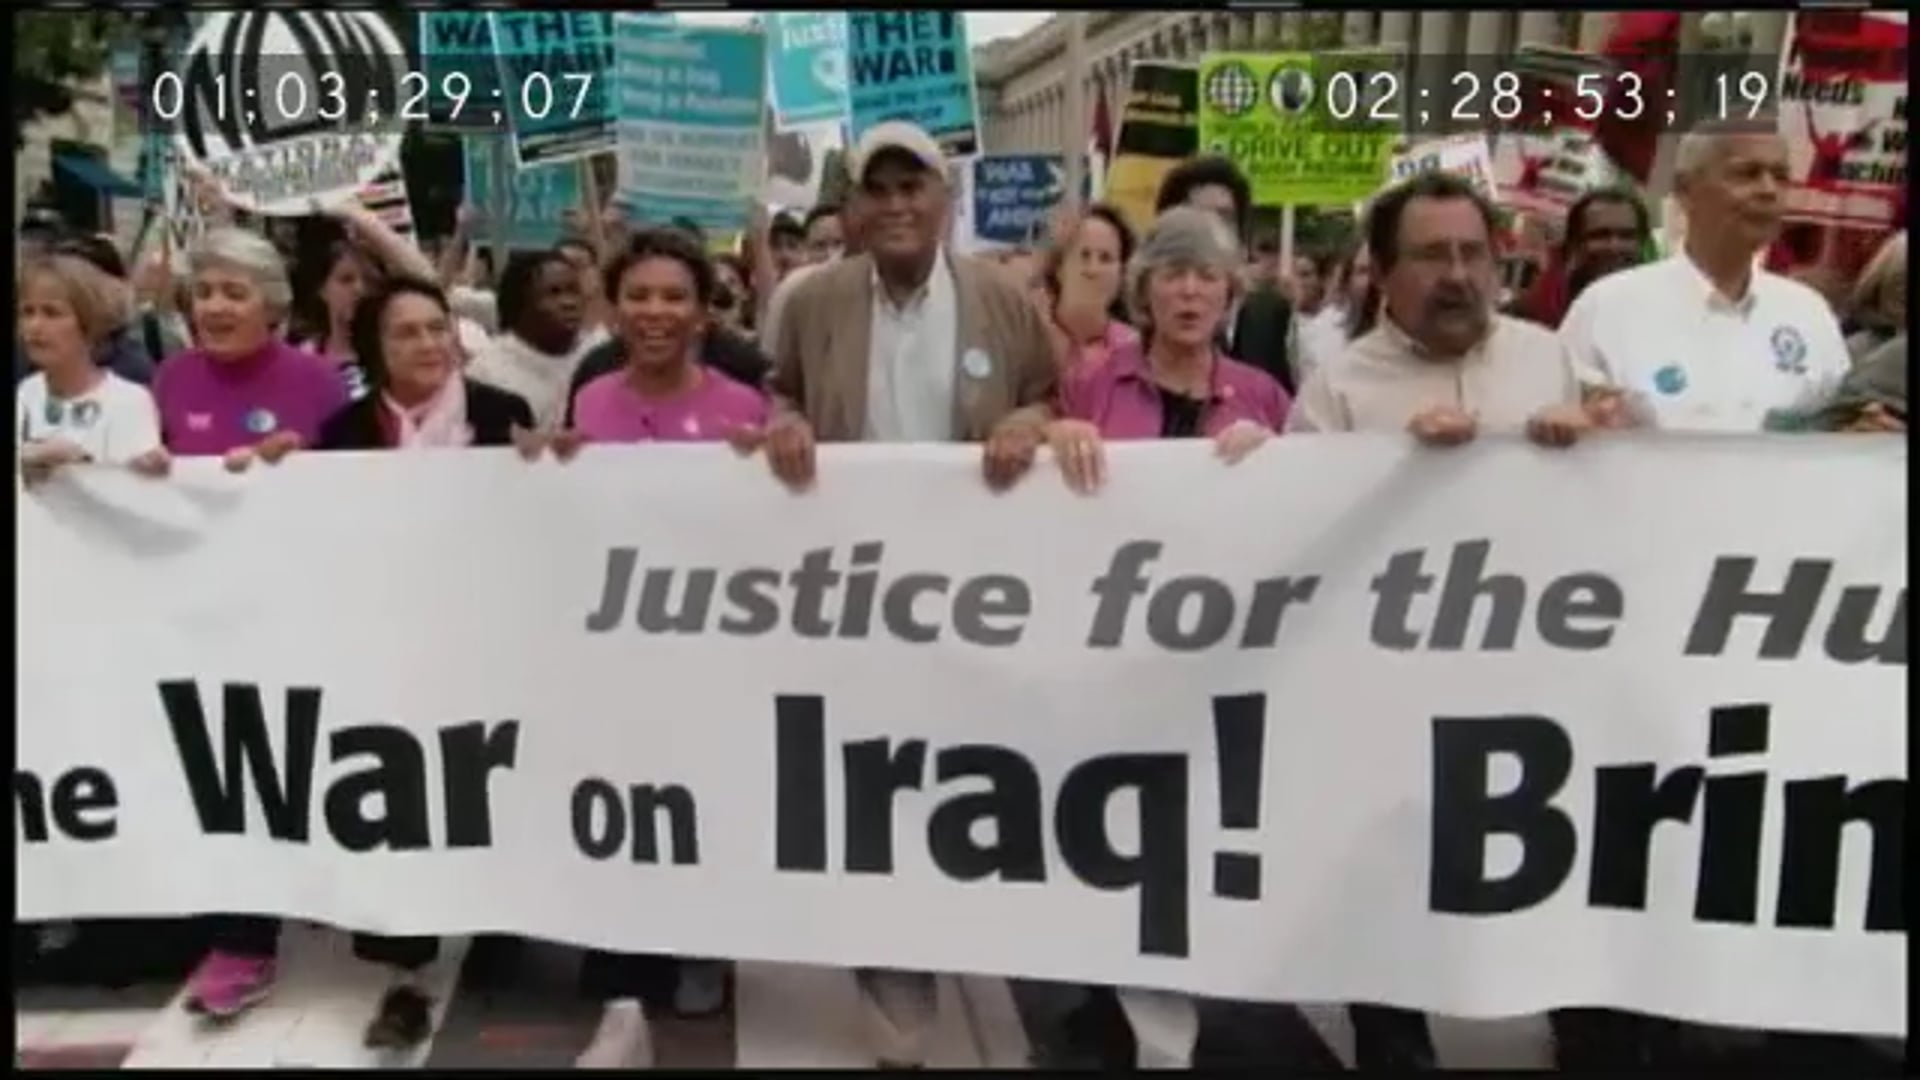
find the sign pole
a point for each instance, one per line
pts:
(501, 170)
(1075, 145)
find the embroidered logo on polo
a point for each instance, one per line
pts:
(1670, 380)
(1789, 351)
(261, 422)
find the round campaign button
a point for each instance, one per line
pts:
(977, 364)
(261, 422)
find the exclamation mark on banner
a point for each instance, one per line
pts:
(1240, 736)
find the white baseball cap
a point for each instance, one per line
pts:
(894, 135)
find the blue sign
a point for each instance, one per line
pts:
(555, 75)
(537, 201)
(1014, 193)
(807, 67)
(456, 54)
(691, 108)
(913, 66)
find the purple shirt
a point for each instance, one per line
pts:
(609, 410)
(210, 406)
(1119, 397)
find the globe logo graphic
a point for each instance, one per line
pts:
(1231, 89)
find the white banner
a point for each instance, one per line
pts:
(1483, 732)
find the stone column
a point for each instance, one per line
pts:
(1539, 28)
(1769, 35)
(1356, 29)
(1396, 28)
(1595, 26)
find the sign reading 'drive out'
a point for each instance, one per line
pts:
(913, 66)
(1482, 752)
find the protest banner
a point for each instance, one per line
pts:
(555, 75)
(1481, 732)
(692, 105)
(1466, 156)
(807, 67)
(1269, 113)
(252, 117)
(913, 66)
(1159, 128)
(537, 200)
(459, 72)
(1843, 111)
(1011, 195)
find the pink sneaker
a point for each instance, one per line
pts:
(228, 984)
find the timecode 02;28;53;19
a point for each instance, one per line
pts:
(1481, 97)
(260, 97)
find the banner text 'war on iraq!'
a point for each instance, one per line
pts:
(1480, 732)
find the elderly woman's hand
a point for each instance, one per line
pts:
(1240, 438)
(1078, 452)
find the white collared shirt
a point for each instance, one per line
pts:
(113, 422)
(1689, 359)
(1383, 380)
(911, 355)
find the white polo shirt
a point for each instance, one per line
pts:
(113, 422)
(1689, 359)
(910, 368)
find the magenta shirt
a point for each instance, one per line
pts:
(1119, 397)
(210, 406)
(608, 410)
(1118, 336)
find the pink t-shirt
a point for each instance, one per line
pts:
(609, 410)
(210, 406)
(1119, 397)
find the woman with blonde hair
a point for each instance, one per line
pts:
(1878, 305)
(71, 410)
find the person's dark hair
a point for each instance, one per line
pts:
(1576, 226)
(513, 299)
(1383, 216)
(662, 244)
(744, 298)
(1056, 257)
(785, 224)
(364, 330)
(1206, 171)
(823, 210)
(1324, 260)
(311, 322)
(97, 250)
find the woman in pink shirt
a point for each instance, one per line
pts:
(661, 288)
(1175, 382)
(1080, 278)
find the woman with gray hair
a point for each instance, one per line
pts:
(241, 392)
(1176, 382)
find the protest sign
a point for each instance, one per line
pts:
(691, 101)
(459, 72)
(1843, 111)
(1543, 165)
(252, 117)
(1159, 128)
(1466, 156)
(555, 76)
(1481, 732)
(913, 66)
(807, 67)
(1268, 112)
(1013, 194)
(537, 201)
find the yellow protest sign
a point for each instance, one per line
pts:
(1297, 124)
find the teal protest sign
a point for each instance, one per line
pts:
(807, 67)
(913, 66)
(537, 201)
(692, 110)
(555, 80)
(461, 71)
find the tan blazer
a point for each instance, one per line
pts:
(821, 358)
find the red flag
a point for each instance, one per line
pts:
(1644, 43)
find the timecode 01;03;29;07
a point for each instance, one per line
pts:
(288, 100)
(1475, 100)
